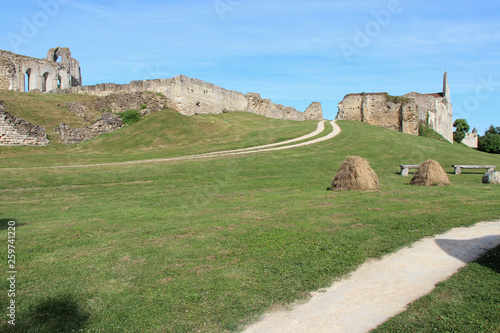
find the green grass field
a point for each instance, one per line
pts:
(469, 302)
(210, 245)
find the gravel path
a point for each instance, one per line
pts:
(270, 147)
(380, 289)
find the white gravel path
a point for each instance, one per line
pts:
(380, 289)
(270, 147)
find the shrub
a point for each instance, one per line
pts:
(490, 143)
(130, 117)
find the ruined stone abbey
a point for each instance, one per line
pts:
(57, 71)
(402, 113)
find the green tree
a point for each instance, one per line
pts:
(461, 125)
(461, 128)
(458, 136)
(492, 130)
(490, 142)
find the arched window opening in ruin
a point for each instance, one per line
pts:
(44, 82)
(27, 77)
(58, 82)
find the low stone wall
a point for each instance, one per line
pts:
(15, 131)
(106, 124)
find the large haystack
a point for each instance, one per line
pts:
(430, 173)
(355, 174)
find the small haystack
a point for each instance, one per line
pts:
(355, 174)
(430, 173)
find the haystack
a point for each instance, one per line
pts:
(430, 173)
(355, 174)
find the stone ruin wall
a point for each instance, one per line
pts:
(402, 113)
(376, 109)
(192, 96)
(108, 123)
(471, 140)
(145, 103)
(15, 131)
(379, 110)
(7, 71)
(436, 112)
(43, 75)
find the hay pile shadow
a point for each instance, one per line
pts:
(355, 174)
(430, 173)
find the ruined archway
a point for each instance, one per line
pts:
(27, 80)
(45, 77)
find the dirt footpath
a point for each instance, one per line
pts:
(380, 289)
(269, 147)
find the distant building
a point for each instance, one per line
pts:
(471, 139)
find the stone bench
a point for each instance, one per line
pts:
(406, 167)
(458, 168)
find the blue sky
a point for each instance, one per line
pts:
(293, 52)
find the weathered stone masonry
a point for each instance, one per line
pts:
(15, 131)
(108, 123)
(403, 113)
(22, 73)
(192, 96)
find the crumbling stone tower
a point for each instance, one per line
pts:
(57, 71)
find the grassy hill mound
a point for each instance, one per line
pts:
(209, 245)
(165, 133)
(45, 110)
